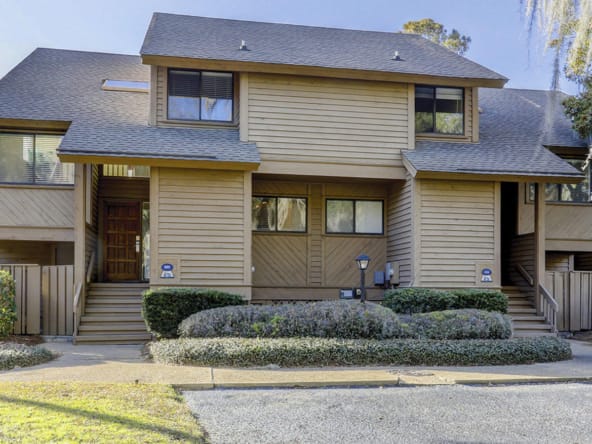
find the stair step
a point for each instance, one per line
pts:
(115, 317)
(109, 309)
(128, 338)
(119, 284)
(113, 300)
(139, 327)
(532, 334)
(527, 318)
(521, 311)
(530, 326)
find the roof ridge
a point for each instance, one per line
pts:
(415, 36)
(43, 48)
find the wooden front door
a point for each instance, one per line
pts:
(122, 232)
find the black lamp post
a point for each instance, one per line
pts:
(362, 260)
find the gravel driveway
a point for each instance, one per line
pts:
(560, 413)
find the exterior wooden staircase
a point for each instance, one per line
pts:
(523, 313)
(113, 315)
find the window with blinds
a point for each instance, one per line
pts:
(32, 159)
(200, 95)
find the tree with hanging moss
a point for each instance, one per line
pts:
(566, 26)
(7, 304)
(436, 32)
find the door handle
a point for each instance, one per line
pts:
(137, 244)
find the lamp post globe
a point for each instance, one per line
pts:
(363, 261)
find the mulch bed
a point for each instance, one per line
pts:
(26, 340)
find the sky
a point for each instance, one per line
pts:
(499, 37)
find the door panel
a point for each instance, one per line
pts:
(122, 230)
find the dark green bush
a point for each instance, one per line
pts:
(418, 300)
(337, 319)
(164, 308)
(489, 300)
(315, 352)
(7, 304)
(425, 300)
(456, 324)
(20, 355)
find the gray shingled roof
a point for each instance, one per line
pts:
(219, 39)
(516, 125)
(66, 85)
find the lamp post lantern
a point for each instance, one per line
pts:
(362, 260)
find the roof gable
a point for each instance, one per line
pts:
(205, 38)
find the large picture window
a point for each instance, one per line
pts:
(200, 95)
(32, 159)
(568, 192)
(354, 216)
(285, 214)
(439, 110)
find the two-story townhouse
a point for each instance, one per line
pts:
(264, 158)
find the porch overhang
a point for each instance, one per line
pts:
(169, 161)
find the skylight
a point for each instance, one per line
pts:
(125, 85)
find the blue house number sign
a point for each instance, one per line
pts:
(486, 275)
(167, 271)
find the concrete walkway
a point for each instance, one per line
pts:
(125, 363)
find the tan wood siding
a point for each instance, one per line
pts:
(313, 265)
(341, 122)
(573, 293)
(36, 208)
(92, 228)
(161, 94)
(400, 229)
(201, 222)
(457, 232)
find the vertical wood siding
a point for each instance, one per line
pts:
(400, 228)
(327, 120)
(573, 293)
(457, 231)
(201, 221)
(44, 297)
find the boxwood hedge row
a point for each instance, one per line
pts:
(318, 352)
(425, 300)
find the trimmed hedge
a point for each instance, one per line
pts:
(425, 300)
(20, 355)
(335, 319)
(342, 319)
(7, 304)
(457, 324)
(316, 352)
(164, 308)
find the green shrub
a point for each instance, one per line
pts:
(489, 300)
(315, 352)
(456, 324)
(337, 319)
(7, 304)
(425, 300)
(20, 355)
(164, 308)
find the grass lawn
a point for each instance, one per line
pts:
(86, 412)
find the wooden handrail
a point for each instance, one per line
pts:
(549, 298)
(91, 265)
(76, 306)
(525, 274)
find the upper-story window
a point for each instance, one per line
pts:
(568, 192)
(200, 95)
(439, 110)
(32, 159)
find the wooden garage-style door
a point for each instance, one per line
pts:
(122, 230)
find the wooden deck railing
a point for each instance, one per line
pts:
(79, 293)
(546, 305)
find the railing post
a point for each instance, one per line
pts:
(539, 241)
